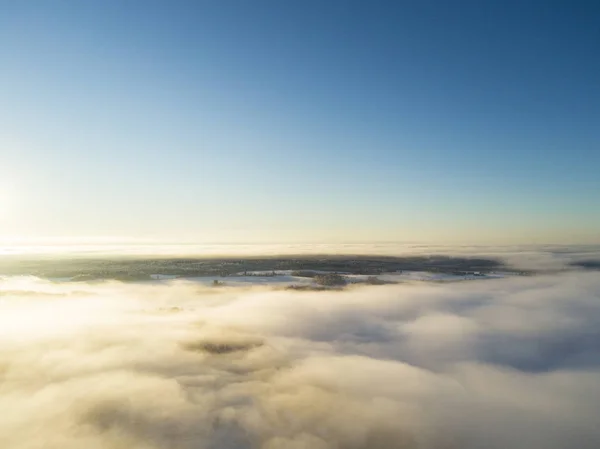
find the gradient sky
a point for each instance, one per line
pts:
(299, 121)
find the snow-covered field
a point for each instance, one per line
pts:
(284, 278)
(424, 276)
(240, 281)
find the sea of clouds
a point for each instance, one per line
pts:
(510, 363)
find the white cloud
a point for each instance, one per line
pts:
(511, 363)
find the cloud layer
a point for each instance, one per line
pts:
(512, 363)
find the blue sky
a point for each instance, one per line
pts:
(302, 121)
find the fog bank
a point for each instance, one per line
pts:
(511, 363)
(524, 257)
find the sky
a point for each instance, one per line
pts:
(278, 121)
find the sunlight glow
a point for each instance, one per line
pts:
(5, 202)
(8, 198)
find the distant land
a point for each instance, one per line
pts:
(139, 269)
(589, 264)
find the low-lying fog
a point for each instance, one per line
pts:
(509, 363)
(525, 257)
